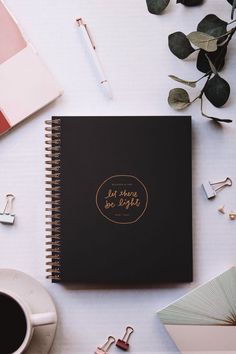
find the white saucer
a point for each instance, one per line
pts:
(38, 299)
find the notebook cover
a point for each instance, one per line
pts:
(123, 200)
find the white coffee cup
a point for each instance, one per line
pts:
(32, 319)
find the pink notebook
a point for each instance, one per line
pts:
(26, 84)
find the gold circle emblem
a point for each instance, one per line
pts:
(122, 199)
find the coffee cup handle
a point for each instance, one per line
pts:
(41, 319)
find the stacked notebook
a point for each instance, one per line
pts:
(119, 200)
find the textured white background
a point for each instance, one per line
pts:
(132, 45)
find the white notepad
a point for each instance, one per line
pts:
(204, 320)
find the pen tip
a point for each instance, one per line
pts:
(107, 89)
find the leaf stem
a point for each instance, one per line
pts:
(205, 75)
(214, 118)
(222, 36)
(226, 34)
(202, 91)
(233, 30)
(230, 23)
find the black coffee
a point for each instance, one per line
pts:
(12, 325)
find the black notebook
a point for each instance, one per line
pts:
(119, 200)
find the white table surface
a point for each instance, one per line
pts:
(132, 45)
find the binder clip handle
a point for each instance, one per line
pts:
(104, 349)
(9, 204)
(222, 184)
(129, 330)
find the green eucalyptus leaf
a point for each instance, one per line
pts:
(178, 99)
(203, 41)
(212, 25)
(180, 45)
(217, 91)
(185, 82)
(217, 58)
(190, 2)
(156, 7)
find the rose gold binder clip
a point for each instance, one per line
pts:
(6, 217)
(210, 189)
(104, 349)
(123, 343)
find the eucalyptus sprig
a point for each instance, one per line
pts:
(210, 41)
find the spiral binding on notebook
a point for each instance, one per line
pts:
(53, 224)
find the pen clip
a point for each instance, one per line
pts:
(81, 23)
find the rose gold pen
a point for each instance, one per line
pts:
(92, 50)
